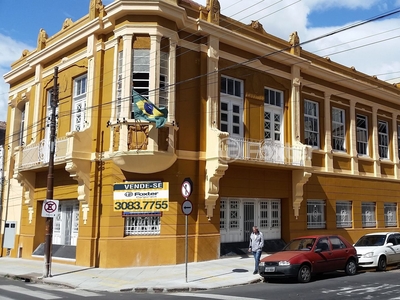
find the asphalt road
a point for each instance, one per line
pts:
(365, 285)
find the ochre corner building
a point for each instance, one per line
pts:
(153, 92)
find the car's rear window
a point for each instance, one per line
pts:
(371, 240)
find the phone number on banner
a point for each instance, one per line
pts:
(143, 205)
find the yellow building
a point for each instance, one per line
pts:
(269, 133)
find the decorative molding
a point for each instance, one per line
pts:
(215, 167)
(27, 181)
(299, 179)
(79, 170)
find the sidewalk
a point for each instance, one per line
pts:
(224, 272)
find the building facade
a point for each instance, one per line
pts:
(269, 134)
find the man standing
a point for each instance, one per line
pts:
(256, 245)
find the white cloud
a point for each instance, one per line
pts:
(282, 17)
(10, 50)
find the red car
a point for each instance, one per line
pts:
(309, 255)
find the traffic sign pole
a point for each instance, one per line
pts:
(187, 207)
(186, 247)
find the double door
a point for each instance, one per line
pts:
(66, 223)
(238, 216)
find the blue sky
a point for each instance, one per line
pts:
(371, 48)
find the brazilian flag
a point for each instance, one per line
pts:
(143, 109)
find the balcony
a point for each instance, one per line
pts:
(264, 151)
(35, 156)
(140, 147)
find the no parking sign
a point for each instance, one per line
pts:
(49, 208)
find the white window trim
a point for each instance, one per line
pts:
(339, 139)
(383, 140)
(79, 102)
(232, 101)
(314, 117)
(364, 131)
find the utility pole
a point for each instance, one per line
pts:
(50, 175)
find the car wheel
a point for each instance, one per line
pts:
(381, 264)
(304, 274)
(351, 267)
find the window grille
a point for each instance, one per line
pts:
(234, 214)
(311, 123)
(362, 135)
(222, 214)
(390, 210)
(368, 214)
(338, 129)
(383, 139)
(275, 214)
(143, 225)
(344, 214)
(263, 214)
(316, 214)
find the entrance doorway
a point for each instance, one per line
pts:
(238, 216)
(66, 223)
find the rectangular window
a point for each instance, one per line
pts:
(362, 135)
(79, 104)
(273, 97)
(383, 139)
(338, 129)
(231, 86)
(141, 71)
(164, 83)
(316, 214)
(311, 123)
(368, 214)
(344, 214)
(145, 224)
(390, 210)
(21, 126)
(231, 106)
(118, 104)
(398, 140)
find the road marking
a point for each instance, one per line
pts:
(76, 292)
(213, 296)
(24, 291)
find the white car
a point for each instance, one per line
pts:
(377, 250)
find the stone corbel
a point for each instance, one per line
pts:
(299, 179)
(80, 171)
(215, 169)
(27, 181)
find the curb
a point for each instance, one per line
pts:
(142, 290)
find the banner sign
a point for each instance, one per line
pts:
(141, 196)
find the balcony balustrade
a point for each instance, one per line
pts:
(140, 147)
(264, 151)
(37, 155)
